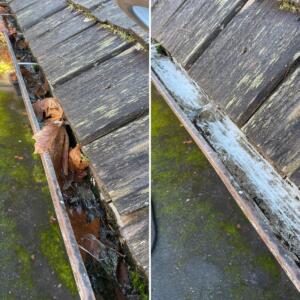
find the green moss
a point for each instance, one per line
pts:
(269, 265)
(38, 174)
(53, 249)
(25, 268)
(289, 6)
(139, 285)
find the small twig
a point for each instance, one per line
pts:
(91, 254)
(90, 236)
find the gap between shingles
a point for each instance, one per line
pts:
(200, 49)
(171, 16)
(89, 66)
(268, 92)
(23, 8)
(96, 135)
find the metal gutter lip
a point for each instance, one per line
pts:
(249, 208)
(80, 274)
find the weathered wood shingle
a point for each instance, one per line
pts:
(107, 96)
(122, 163)
(194, 25)
(249, 58)
(275, 127)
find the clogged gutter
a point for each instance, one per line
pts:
(111, 274)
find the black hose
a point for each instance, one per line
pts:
(154, 228)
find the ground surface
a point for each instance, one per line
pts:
(33, 261)
(206, 247)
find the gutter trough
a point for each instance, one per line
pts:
(270, 202)
(80, 274)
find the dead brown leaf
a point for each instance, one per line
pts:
(28, 76)
(17, 157)
(13, 77)
(53, 110)
(46, 137)
(188, 142)
(48, 108)
(41, 90)
(3, 9)
(22, 44)
(39, 108)
(78, 163)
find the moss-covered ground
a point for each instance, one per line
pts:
(206, 248)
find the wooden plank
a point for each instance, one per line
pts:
(249, 58)
(120, 159)
(135, 231)
(107, 11)
(194, 26)
(17, 5)
(35, 13)
(161, 11)
(295, 177)
(50, 23)
(68, 25)
(275, 127)
(94, 45)
(106, 97)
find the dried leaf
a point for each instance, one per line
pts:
(3, 9)
(22, 44)
(53, 110)
(28, 76)
(39, 108)
(41, 90)
(17, 157)
(46, 137)
(48, 108)
(78, 163)
(188, 142)
(13, 77)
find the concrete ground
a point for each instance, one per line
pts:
(206, 247)
(33, 261)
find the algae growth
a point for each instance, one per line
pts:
(51, 248)
(206, 248)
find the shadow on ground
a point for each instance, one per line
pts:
(206, 248)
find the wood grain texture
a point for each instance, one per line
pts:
(135, 231)
(106, 97)
(57, 29)
(107, 11)
(249, 58)
(161, 11)
(35, 13)
(194, 26)
(50, 23)
(121, 161)
(79, 53)
(275, 127)
(17, 5)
